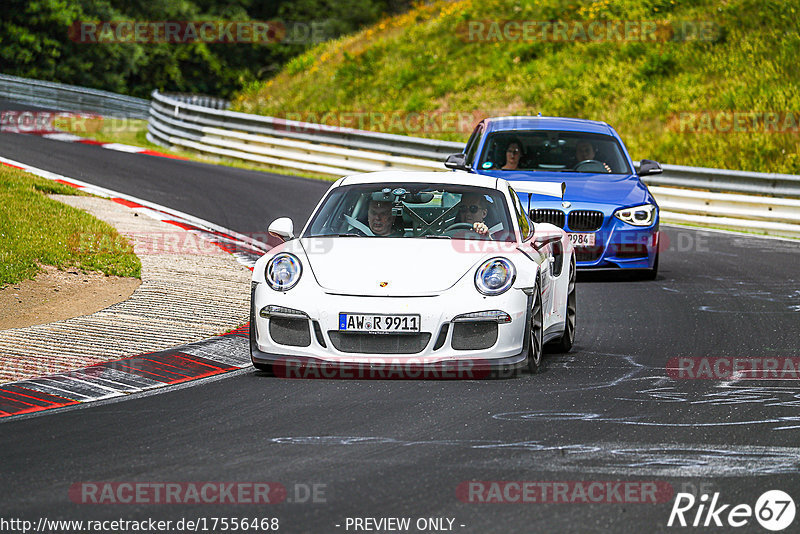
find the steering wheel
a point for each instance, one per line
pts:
(458, 226)
(358, 231)
(590, 162)
(357, 225)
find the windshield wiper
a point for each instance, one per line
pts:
(349, 235)
(430, 236)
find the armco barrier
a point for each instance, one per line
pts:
(300, 145)
(62, 97)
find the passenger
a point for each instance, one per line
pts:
(513, 155)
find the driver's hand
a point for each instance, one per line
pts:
(480, 228)
(608, 169)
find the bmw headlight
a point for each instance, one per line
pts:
(643, 215)
(495, 276)
(283, 271)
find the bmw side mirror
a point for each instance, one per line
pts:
(456, 162)
(282, 228)
(648, 166)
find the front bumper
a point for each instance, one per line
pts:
(318, 353)
(620, 246)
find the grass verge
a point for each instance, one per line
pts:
(36, 230)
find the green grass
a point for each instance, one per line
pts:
(116, 130)
(421, 61)
(108, 129)
(36, 230)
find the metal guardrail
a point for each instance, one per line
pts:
(756, 183)
(62, 97)
(201, 100)
(173, 121)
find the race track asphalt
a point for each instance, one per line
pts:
(607, 411)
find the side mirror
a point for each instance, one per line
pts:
(456, 162)
(282, 228)
(542, 241)
(648, 166)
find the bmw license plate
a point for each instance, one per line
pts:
(582, 240)
(378, 323)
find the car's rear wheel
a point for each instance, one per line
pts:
(535, 328)
(564, 343)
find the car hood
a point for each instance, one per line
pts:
(408, 267)
(616, 190)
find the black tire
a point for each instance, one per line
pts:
(266, 367)
(564, 343)
(651, 274)
(535, 332)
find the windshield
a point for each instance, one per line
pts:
(553, 151)
(413, 211)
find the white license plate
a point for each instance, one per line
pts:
(582, 240)
(378, 323)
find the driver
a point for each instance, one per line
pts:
(472, 210)
(584, 150)
(381, 220)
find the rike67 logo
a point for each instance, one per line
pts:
(774, 510)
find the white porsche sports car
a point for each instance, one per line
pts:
(422, 269)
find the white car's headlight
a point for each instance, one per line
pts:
(495, 276)
(643, 215)
(283, 271)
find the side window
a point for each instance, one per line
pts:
(525, 226)
(472, 144)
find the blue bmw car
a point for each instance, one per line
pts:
(608, 212)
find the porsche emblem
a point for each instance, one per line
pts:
(384, 284)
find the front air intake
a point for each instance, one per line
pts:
(290, 331)
(585, 220)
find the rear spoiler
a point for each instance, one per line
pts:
(550, 189)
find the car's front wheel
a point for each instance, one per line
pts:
(266, 367)
(564, 343)
(647, 274)
(534, 333)
(651, 274)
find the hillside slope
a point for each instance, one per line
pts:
(715, 85)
